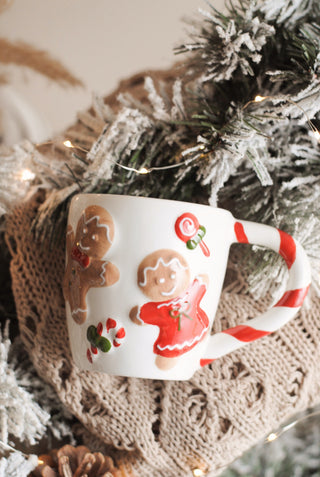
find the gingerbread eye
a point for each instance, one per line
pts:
(161, 280)
(84, 230)
(173, 276)
(94, 237)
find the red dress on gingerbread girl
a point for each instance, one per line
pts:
(86, 267)
(181, 321)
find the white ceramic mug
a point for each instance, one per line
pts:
(143, 280)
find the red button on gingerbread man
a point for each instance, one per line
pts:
(86, 267)
(164, 277)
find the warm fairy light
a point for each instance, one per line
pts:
(259, 98)
(68, 143)
(275, 435)
(27, 175)
(272, 437)
(40, 461)
(143, 170)
(198, 472)
(316, 134)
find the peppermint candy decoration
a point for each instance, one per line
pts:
(113, 337)
(189, 230)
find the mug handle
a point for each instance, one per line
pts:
(299, 280)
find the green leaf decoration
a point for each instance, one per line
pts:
(98, 341)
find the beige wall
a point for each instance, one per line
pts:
(100, 41)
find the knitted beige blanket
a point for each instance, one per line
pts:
(162, 428)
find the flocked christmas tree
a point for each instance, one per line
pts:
(240, 130)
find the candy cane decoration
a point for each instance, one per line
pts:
(285, 309)
(189, 230)
(116, 331)
(104, 341)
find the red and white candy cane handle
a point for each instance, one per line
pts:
(285, 309)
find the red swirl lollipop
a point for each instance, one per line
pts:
(189, 230)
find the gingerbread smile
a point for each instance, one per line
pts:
(173, 289)
(82, 247)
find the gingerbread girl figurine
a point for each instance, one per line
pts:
(86, 267)
(164, 277)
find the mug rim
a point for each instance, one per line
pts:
(155, 199)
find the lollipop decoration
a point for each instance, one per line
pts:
(189, 230)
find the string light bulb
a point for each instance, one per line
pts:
(272, 437)
(195, 149)
(27, 175)
(68, 143)
(259, 98)
(316, 134)
(143, 170)
(275, 435)
(198, 473)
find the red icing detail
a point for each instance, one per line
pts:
(94, 349)
(293, 298)
(89, 356)
(121, 333)
(116, 344)
(99, 328)
(204, 362)
(186, 226)
(287, 248)
(110, 324)
(204, 249)
(240, 233)
(182, 322)
(246, 333)
(80, 257)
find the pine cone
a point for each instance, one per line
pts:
(72, 461)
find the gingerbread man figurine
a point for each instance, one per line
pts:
(86, 267)
(164, 277)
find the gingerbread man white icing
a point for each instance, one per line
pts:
(86, 266)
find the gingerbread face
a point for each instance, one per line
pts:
(163, 274)
(95, 231)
